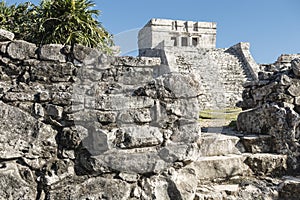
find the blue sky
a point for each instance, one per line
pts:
(271, 26)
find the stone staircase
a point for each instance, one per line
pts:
(235, 166)
(220, 72)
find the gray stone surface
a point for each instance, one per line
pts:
(52, 52)
(16, 182)
(267, 164)
(290, 188)
(219, 167)
(21, 50)
(139, 136)
(6, 35)
(24, 136)
(215, 144)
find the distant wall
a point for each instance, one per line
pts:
(177, 33)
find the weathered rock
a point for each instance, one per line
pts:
(219, 167)
(267, 164)
(24, 136)
(174, 152)
(134, 116)
(119, 102)
(52, 52)
(21, 50)
(296, 66)
(126, 161)
(187, 131)
(281, 123)
(54, 111)
(51, 71)
(137, 62)
(258, 143)
(93, 188)
(138, 137)
(6, 35)
(86, 55)
(134, 76)
(16, 182)
(290, 188)
(294, 89)
(129, 177)
(186, 108)
(183, 184)
(38, 110)
(215, 144)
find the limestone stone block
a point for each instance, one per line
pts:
(296, 67)
(217, 144)
(3, 46)
(49, 71)
(96, 143)
(23, 135)
(127, 161)
(157, 187)
(54, 111)
(137, 115)
(6, 35)
(129, 177)
(294, 89)
(18, 96)
(134, 75)
(187, 108)
(98, 187)
(52, 52)
(120, 102)
(208, 168)
(187, 131)
(86, 55)
(137, 62)
(257, 143)
(138, 136)
(183, 184)
(174, 152)
(12, 182)
(38, 110)
(267, 164)
(61, 98)
(289, 188)
(21, 50)
(181, 86)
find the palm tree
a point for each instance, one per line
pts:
(19, 19)
(66, 22)
(72, 22)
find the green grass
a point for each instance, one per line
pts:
(227, 114)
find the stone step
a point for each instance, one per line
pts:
(216, 144)
(214, 167)
(266, 163)
(248, 188)
(257, 143)
(290, 188)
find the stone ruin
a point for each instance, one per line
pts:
(78, 124)
(190, 47)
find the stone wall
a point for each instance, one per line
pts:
(271, 107)
(77, 124)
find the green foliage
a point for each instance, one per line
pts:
(66, 22)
